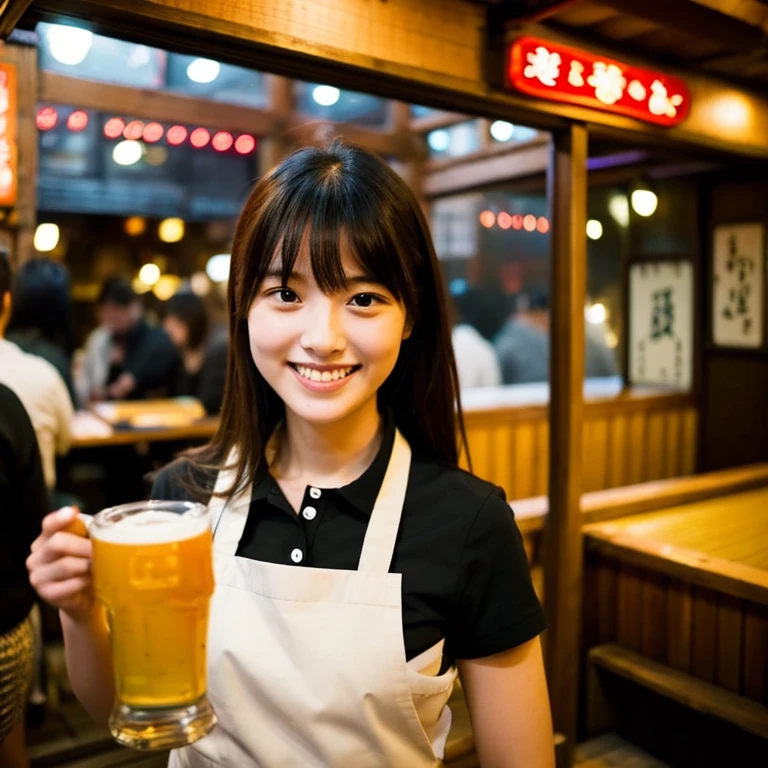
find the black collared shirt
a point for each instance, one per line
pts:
(465, 577)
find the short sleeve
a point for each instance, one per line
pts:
(496, 606)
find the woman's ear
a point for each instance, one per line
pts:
(408, 329)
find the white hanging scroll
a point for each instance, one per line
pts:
(661, 324)
(737, 285)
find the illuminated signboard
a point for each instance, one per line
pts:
(556, 72)
(8, 148)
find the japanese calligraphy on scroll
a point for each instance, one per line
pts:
(738, 280)
(8, 147)
(661, 324)
(557, 72)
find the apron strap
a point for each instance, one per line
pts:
(379, 544)
(228, 515)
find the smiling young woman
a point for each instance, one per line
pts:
(358, 569)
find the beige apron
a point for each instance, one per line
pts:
(306, 666)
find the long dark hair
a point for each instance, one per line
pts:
(190, 309)
(42, 303)
(323, 194)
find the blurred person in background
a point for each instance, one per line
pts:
(125, 357)
(23, 504)
(523, 344)
(476, 359)
(203, 350)
(36, 383)
(41, 321)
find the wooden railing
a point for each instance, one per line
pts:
(627, 439)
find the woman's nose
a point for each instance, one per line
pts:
(323, 333)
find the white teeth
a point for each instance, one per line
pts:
(314, 375)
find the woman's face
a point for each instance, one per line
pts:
(325, 355)
(177, 331)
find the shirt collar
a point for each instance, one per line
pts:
(361, 493)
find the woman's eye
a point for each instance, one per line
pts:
(287, 296)
(364, 300)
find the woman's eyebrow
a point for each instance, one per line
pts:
(361, 280)
(277, 274)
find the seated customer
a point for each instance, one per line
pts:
(23, 504)
(41, 322)
(203, 350)
(126, 358)
(37, 384)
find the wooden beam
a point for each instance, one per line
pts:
(487, 168)
(430, 123)
(567, 193)
(10, 13)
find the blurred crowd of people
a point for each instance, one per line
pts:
(499, 339)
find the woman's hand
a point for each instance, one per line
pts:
(60, 564)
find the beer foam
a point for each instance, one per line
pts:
(152, 526)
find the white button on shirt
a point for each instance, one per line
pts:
(315, 493)
(309, 513)
(297, 555)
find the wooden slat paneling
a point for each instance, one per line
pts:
(525, 439)
(630, 595)
(755, 655)
(690, 431)
(655, 444)
(618, 466)
(679, 624)
(673, 458)
(704, 633)
(637, 450)
(730, 624)
(654, 616)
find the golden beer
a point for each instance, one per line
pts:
(152, 570)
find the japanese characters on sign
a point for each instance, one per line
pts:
(552, 71)
(661, 324)
(737, 294)
(8, 147)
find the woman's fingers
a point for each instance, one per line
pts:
(62, 569)
(59, 593)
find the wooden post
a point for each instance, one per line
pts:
(277, 144)
(567, 192)
(19, 223)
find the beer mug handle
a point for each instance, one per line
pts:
(79, 524)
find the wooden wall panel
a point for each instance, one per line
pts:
(623, 443)
(654, 617)
(755, 644)
(730, 625)
(704, 634)
(679, 622)
(629, 619)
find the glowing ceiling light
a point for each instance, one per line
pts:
(135, 225)
(542, 224)
(153, 132)
(325, 95)
(166, 286)
(139, 287)
(68, 45)
(596, 314)
(177, 134)
(504, 220)
(46, 119)
(517, 221)
(222, 141)
(501, 130)
(245, 144)
(199, 138)
(134, 130)
(200, 284)
(618, 207)
(529, 223)
(171, 230)
(149, 274)
(203, 70)
(439, 140)
(77, 121)
(487, 219)
(217, 268)
(127, 152)
(594, 229)
(644, 202)
(46, 237)
(114, 127)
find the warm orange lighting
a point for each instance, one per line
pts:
(153, 132)
(529, 223)
(47, 117)
(487, 219)
(199, 138)
(134, 130)
(222, 141)
(77, 121)
(517, 221)
(135, 225)
(245, 144)
(504, 220)
(114, 127)
(542, 224)
(177, 134)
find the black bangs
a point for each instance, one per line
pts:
(322, 200)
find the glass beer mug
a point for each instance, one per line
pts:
(152, 570)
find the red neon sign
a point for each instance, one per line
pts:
(556, 72)
(9, 154)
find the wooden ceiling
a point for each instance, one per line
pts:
(726, 38)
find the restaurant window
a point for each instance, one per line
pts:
(455, 140)
(321, 101)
